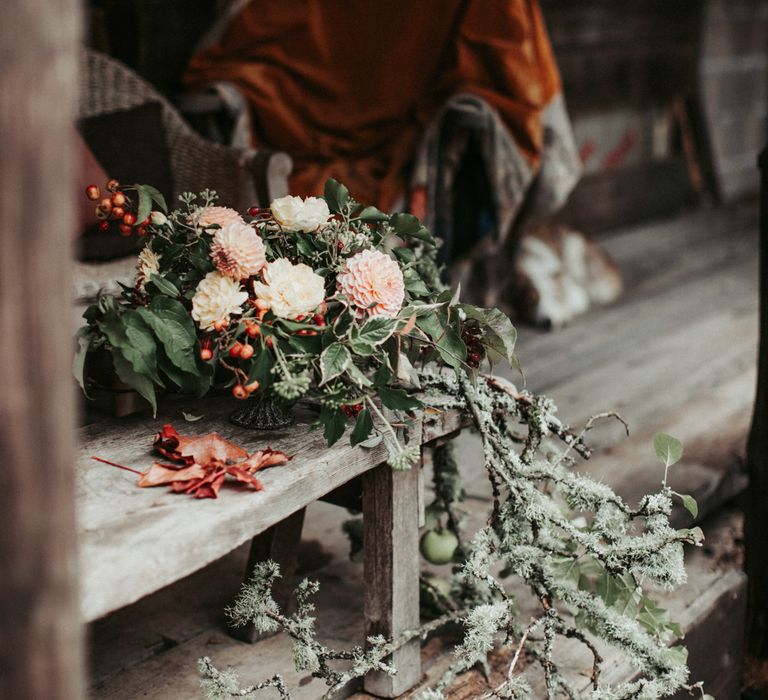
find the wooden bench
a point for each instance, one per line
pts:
(135, 541)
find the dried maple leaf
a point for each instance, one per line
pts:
(262, 459)
(159, 474)
(197, 449)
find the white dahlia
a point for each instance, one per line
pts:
(149, 264)
(238, 251)
(373, 282)
(290, 290)
(297, 214)
(217, 216)
(217, 297)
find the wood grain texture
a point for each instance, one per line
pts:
(391, 565)
(134, 541)
(40, 637)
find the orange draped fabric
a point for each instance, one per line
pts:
(347, 87)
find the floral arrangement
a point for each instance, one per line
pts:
(316, 298)
(332, 301)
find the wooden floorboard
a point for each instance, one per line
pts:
(677, 353)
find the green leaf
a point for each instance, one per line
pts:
(145, 204)
(363, 428)
(404, 224)
(501, 335)
(689, 503)
(156, 196)
(84, 339)
(128, 334)
(565, 569)
(376, 330)
(398, 399)
(669, 450)
(354, 373)
(174, 336)
(336, 195)
(190, 418)
(133, 379)
(371, 215)
(415, 285)
(261, 368)
(164, 286)
(334, 361)
(334, 423)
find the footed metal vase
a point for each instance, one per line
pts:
(263, 413)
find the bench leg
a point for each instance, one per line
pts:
(280, 543)
(391, 562)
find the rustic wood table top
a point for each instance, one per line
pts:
(134, 541)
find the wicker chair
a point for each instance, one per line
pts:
(241, 177)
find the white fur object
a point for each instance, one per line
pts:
(565, 273)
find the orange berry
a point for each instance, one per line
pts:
(92, 192)
(118, 212)
(252, 329)
(236, 349)
(118, 199)
(106, 205)
(261, 305)
(219, 326)
(125, 230)
(253, 386)
(206, 354)
(100, 214)
(112, 185)
(129, 219)
(246, 352)
(239, 392)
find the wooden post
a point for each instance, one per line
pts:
(280, 543)
(40, 632)
(391, 570)
(756, 512)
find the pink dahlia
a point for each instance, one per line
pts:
(373, 282)
(218, 216)
(238, 251)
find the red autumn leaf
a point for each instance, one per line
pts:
(245, 477)
(262, 459)
(159, 474)
(197, 449)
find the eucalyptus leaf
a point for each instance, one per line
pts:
(669, 450)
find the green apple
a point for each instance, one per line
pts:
(438, 546)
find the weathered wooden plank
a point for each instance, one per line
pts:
(40, 637)
(391, 565)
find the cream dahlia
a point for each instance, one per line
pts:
(217, 297)
(149, 264)
(290, 290)
(373, 282)
(217, 216)
(299, 214)
(237, 250)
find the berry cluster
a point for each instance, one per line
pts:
(115, 207)
(471, 335)
(352, 410)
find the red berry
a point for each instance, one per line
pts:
(246, 352)
(253, 386)
(236, 349)
(206, 354)
(339, 246)
(254, 211)
(125, 230)
(104, 226)
(118, 212)
(219, 326)
(252, 329)
(118, 199)
(129, 219)
(269, 341)
(112, 185)
(105, 205)
(239, 392)
(92, 192)
(142, 230)
(319, 319)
